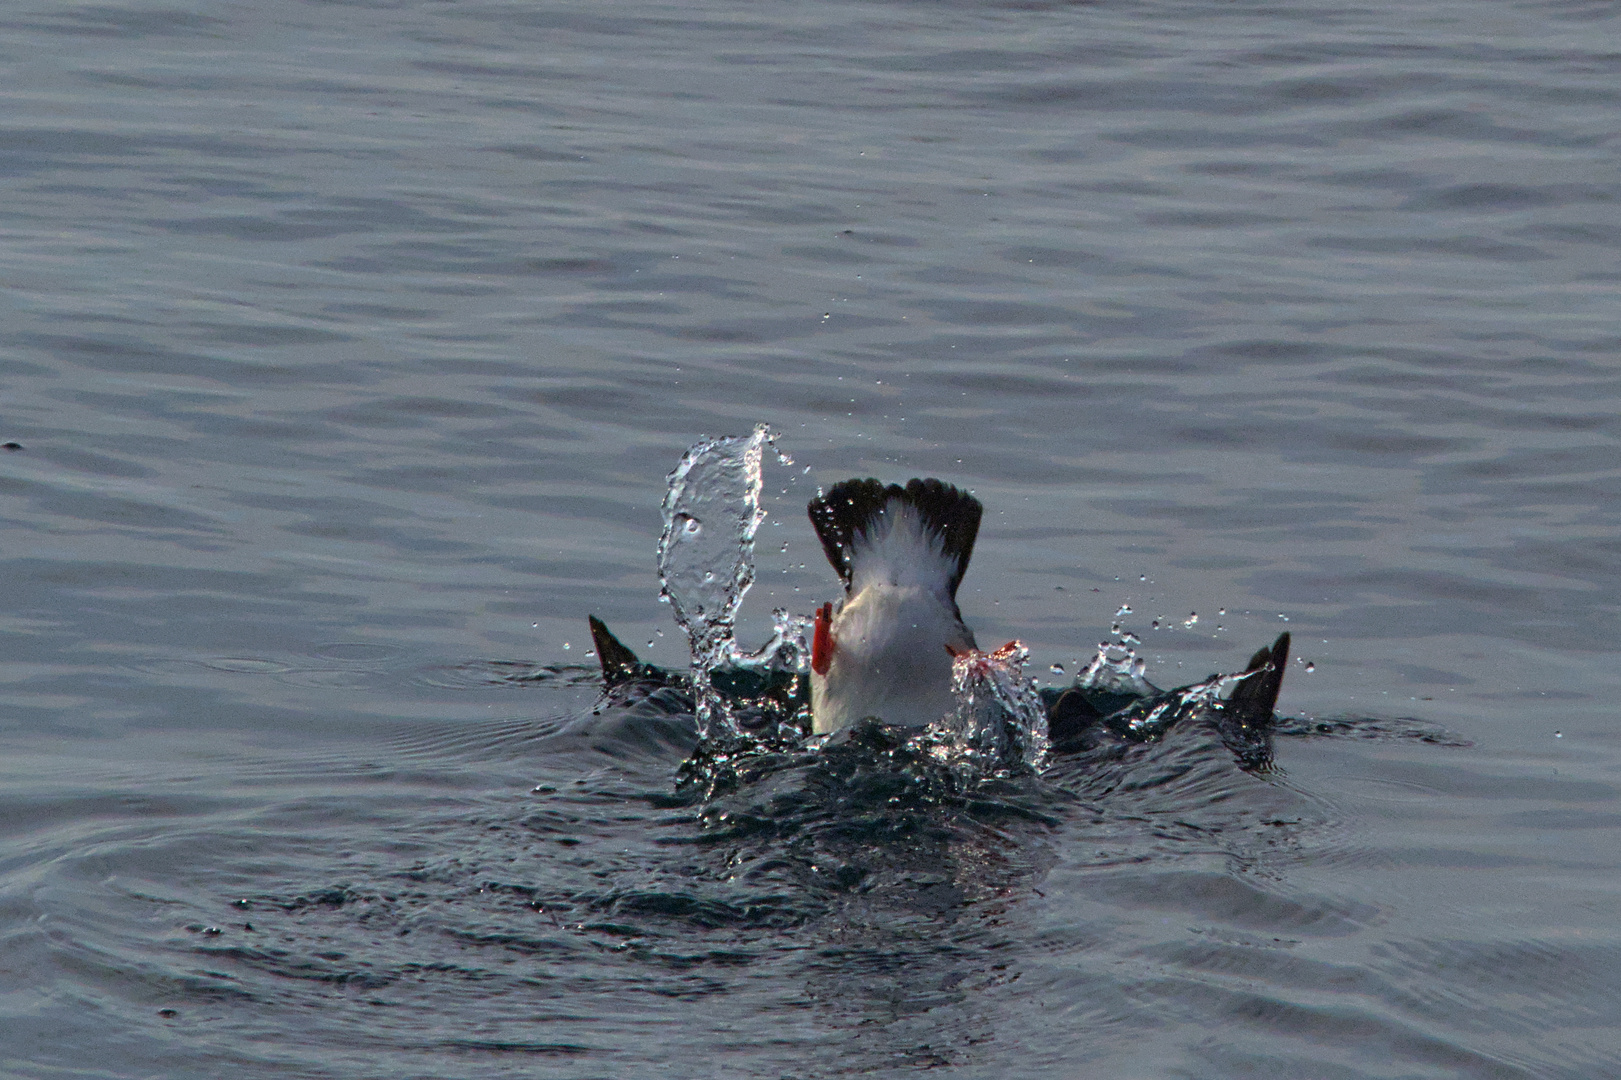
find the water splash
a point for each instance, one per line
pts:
(1116, 669)
(789, 647)
(706, 556)
(746, 702)
(1154, 716)
(999, 725)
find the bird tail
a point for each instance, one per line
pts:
(922, 533)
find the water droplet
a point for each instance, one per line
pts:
(567, 646)
(535, 626)
(1125, 609)
(1191, 620)
(1057, 669)
(1221, 611)
(1310, 667)
(1282, 616)
(1142, 577)
(1559, 734)
(709, 575)
(692, 526)
(1115, 629)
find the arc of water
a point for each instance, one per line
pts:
(706, 555)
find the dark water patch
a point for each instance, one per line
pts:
(119, 22)
(1454, 124)
(265, 335)
(1498, 198)
(133, 356)
(1478, 247)
(1362, 727)
(491, 674)
(1232, 901)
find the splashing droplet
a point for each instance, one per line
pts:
(1191, 621)
(1125, 609)
(1111, 670)
(1000, 724)
(705, 572)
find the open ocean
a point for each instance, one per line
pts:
(346, 347)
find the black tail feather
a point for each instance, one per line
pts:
(849, 508)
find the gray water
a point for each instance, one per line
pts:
(348, 346)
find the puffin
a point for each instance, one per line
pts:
(886, 648)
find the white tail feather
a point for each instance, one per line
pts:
(898, 549)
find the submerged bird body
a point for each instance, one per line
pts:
(886, 651)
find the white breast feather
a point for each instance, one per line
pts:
(890, 659)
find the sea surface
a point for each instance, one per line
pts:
(346, 347)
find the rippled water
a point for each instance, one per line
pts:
(348, 346)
